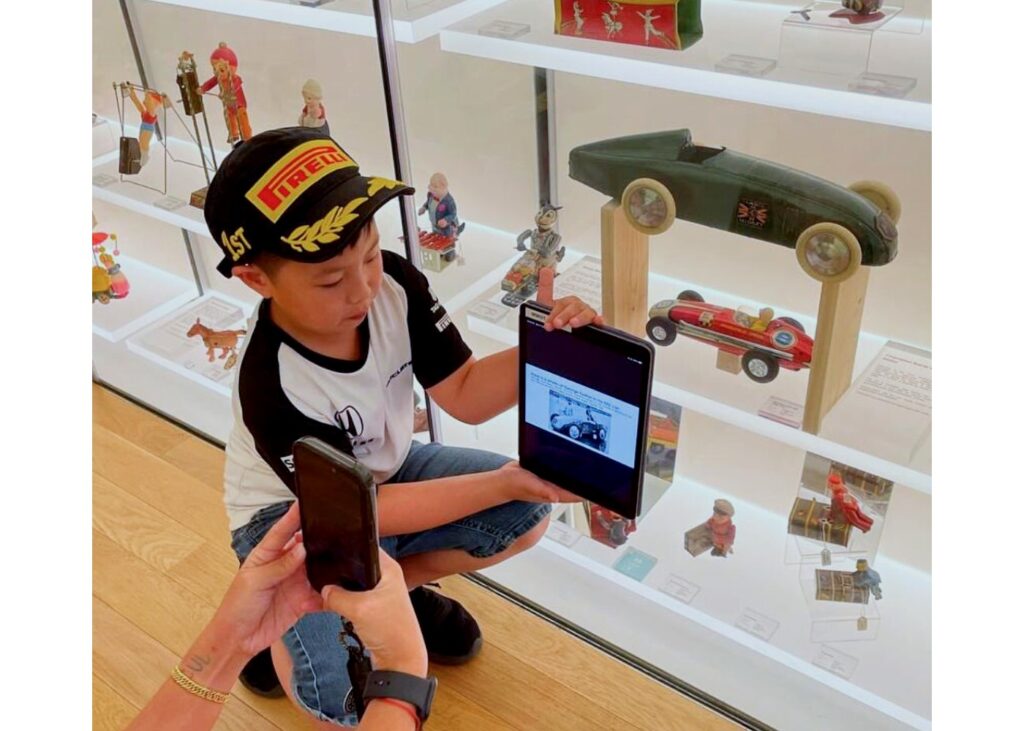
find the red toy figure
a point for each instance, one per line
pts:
(723, 532)
(845, 508)
(609, 527)
(225, 76)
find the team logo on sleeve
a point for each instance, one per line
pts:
(295, 173)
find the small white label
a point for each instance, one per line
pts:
(559, 532)
(839, 663)
(783, 411)
(102, 180)
(757, 624)
(678, 587)
(169, 203)
(745, 65)
(489, 311)
(505, 29)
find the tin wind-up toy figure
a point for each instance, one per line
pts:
(845, 508)
(671, 24)
(716, 533)
(313, 113)
(866, 577)
(439, 247)
(147, 107)
(229, 89)
(544, 251)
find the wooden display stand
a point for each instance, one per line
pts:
(625, 257)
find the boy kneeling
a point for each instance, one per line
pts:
(331, 352)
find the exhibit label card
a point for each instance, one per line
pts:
(559, 532)
(680, 588)
(835, 661)
(757, 624)
(582, 279)
(783, 411)
(635, 564)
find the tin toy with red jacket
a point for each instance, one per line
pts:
(229, 89)
(313, 113)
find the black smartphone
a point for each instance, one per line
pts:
(338, 506)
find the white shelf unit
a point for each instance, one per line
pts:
(413, 21)
(732, 28)
(153, 293)
(686, 375)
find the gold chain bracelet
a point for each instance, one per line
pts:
(195, 688)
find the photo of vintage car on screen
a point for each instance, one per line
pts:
(577, 421)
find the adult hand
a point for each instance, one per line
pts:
(270, 591)
(524, 485)
(384, 620)
(571, 311)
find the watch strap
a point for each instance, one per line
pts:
(413, 689)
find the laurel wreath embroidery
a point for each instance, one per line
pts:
(377, 184)
(324, 231)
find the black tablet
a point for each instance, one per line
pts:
(583, 402)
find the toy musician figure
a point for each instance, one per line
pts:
(229, 83)
(544, 241)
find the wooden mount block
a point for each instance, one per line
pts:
(624, 261)
(840, 310)
(728, 362)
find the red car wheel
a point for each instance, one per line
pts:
(661, 330)
(759, 366)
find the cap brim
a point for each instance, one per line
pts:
(334, 222)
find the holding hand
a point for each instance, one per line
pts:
(270, 592)
(526, 486)
(383, 619)
(571, 311)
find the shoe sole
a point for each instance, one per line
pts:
(457, 659)
(276, 692)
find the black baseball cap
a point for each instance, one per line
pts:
(293, 192)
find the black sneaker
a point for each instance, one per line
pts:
(260, 678)
(451, 634)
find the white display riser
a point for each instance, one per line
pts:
(901, 47)
(685, 374)
(414, 20)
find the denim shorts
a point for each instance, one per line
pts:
(320, 681)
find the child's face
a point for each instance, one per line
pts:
(332, 297)
(438, 187)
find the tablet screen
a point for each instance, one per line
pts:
(584, 400)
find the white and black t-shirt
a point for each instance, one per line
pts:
(284, 391)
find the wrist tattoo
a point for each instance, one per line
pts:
(196, 663)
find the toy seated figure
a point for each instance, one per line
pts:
(763, 320)
(440, 207)
(845, 508)
(867, 578)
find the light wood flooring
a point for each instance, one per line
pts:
(161, 561)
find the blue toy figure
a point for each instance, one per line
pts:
(440, 206)
(867, 578)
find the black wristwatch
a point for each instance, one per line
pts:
(417, 691)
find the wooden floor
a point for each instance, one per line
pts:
(161, 561)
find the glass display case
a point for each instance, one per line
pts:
(746, 184)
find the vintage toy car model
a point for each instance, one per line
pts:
(764, 343)
(579, 429)
(662, 176)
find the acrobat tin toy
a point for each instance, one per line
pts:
(670, 24)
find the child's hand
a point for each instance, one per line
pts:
(524, 485)
(571, 311)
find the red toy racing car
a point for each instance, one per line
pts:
(763, 342)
